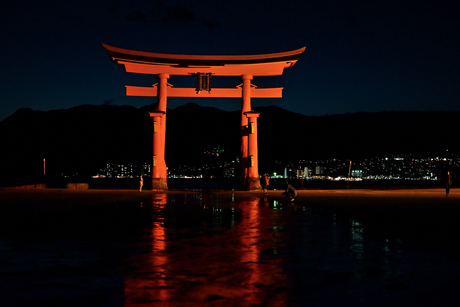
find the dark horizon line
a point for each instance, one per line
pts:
(254, 107)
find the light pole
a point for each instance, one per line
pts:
(349, 172)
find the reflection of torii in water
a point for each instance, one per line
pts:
(204, 66)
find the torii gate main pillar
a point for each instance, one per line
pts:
(245, 107)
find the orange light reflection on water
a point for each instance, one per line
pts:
(227, 267)
(250, 249)
(149, 284)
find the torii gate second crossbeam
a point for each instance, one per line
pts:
(204, 66)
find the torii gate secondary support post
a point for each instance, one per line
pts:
(166, 65)
(159, 171)
(252, 180)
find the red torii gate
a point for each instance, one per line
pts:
(204, 66)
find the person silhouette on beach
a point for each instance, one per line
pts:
(141, 183)
(290, 192)
(448, 182)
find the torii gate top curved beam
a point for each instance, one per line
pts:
(270, 64)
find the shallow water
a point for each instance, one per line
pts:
(220, 249)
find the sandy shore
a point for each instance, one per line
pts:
(303, 196)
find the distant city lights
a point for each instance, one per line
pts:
(396, 167)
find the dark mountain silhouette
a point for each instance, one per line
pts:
(191, 129)
(83, 139)
(74, 141)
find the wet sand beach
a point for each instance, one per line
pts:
(227, 248)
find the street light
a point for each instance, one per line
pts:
(349, 172)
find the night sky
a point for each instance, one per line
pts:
(361, 55)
